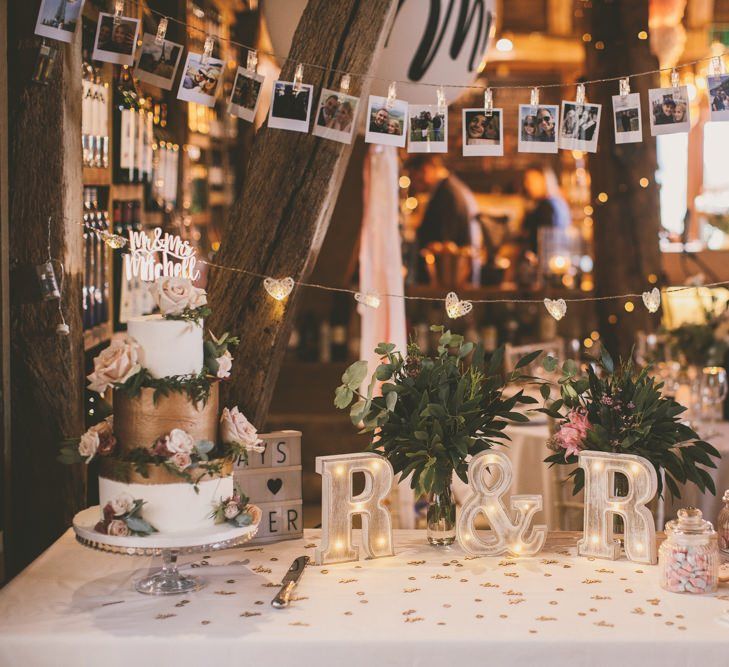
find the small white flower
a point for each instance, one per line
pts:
(225, 363)
(88, 445)
(122, 504)
(180, 442)
(174, 294)
(231, 510)
(181, 461)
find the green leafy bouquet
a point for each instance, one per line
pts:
(624, 411)
(435, 411)
(704, 343)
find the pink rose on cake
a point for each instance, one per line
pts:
(179, 442)
(225, 363)
(232, 510)
(88, 445)
(236, 429)
(118, 528)
(181, 461)
(115, 365)
(174, 295)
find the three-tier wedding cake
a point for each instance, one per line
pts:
(166, 456)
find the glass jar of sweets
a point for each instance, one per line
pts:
(722, 527)
(689, 557)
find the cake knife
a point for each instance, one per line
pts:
(291, 578)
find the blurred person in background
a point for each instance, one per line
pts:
(545, 206)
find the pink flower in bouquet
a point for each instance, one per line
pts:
(181, 461)
(116, 364)
(180, 442)
(160, 447)
(118, 528)
(225, 363)
(571, 436)
(88, 445)
(236, 429)
(231, 510)
(173, 295)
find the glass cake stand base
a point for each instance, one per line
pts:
(168, 580)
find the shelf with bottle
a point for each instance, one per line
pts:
(96, 293)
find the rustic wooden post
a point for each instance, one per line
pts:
(45, 177)
(627, 225)
(277, 225)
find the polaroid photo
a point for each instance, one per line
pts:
(246, 94)
(335, 116)
(719, 96)
(626, 114)
(538, 128)
(483, 133)
(115, 43)
(200, 81)
(386, 125)
(157, 63)
(427, 129)
(669, 110)
(58, 19)
(580, 126)
(290, 108)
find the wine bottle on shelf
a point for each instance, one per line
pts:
(118, 264)
(125, 127)
(104, 277)
(99, 255)
(85, 305)
(86, 113)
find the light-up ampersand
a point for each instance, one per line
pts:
(506, 534)
(601, 503)
(339, 505)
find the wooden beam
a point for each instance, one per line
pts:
(46, 370)
(626, 226)
(279, 221)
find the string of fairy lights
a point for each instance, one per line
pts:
(280, 288)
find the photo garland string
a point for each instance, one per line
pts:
(543, 128)
(280, 288)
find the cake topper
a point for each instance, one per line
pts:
(161, 254)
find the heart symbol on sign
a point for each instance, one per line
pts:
(556, 308)
(279, 289)
(455, 307)
(274, 485)
(652, 300)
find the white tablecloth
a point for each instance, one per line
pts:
(425, 606)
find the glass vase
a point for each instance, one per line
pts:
(441, 517)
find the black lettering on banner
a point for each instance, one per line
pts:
(430, 42)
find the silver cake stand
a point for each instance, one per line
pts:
(168, 580)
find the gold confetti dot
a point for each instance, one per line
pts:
(414, 619)
(204, 622)
(224, 592)
(681, 627)
(566, 567)
(347, 613)
(408, 612)
(604, 624)
(511, 574)
(546, 574)
(360, 592)
(440, 576)
(411, 578)
(669, 622)
(593, 610)
(274, 559)
(545, 618)
(553, 602)
(416, 562)
(364, 601)
(581, 613)
(601, 597)
(604, 570)
(488, 584)
(346, 581)
(258, 602)
(410, 590)
(299, 624)
(311, 545)
(447, 606)
(511, 592)
(464, 581)
(639, 571)
(516, 600)
(657, 614)
(638, 610)
(479, 615)
(477, 600)
(591, 581)
(248, 614)
(161, 617)
(548, 561)
(441, 622)
(324, 571)
(628, 590)
(446, 564)
(230, 581)
(559, 589)
(654, 601)
(503, 616)
(679, 615)
(532, 632)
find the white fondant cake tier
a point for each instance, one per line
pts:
(172, 508)
(168, 347)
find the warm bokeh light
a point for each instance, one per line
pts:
(595, 335)
(600, 45)
(629, 306)
(504, 45)
(602, 197)
(411, 203)
(588, 221)
(652, 278)
(404, 182)
(587, 343)
(588, 210)
(587, 37)
(644, 182)
(642, 35)
(613, 319)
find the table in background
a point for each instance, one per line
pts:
(424, 606)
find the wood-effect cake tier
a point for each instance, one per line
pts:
(139, 421)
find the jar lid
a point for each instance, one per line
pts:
(690, 522)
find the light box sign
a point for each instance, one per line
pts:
(160, 254)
